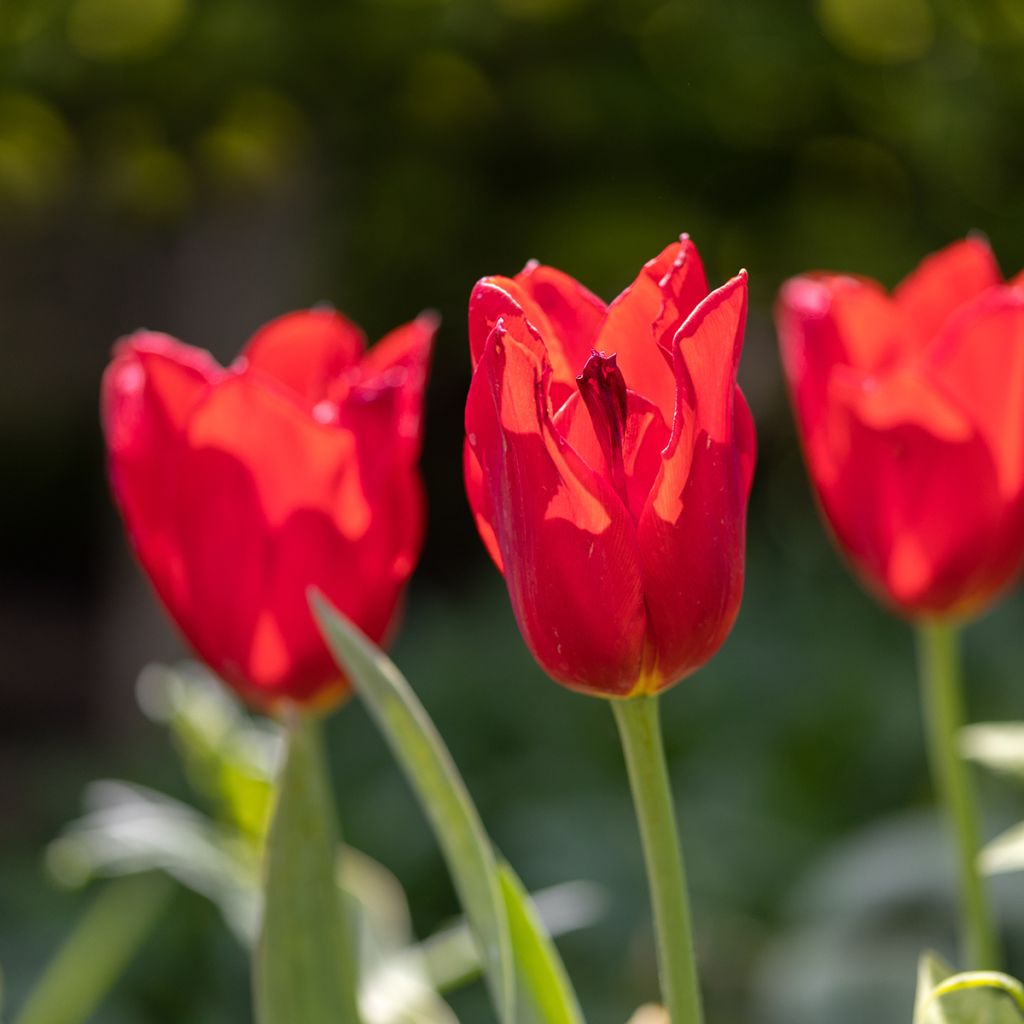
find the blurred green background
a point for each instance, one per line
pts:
(199, 166)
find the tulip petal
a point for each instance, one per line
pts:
(149, 392)
(305, 351)
(646, 435)
(827, 320)
(566, 542)
(504, 298)
(642, 321)
(978, 361)
(709, 344)
(573, 312)
(385, 399)
(918, 515)
(265, 513)
(692, 529)
(943, 282)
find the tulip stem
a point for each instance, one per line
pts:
(942, 701)
(640, 733)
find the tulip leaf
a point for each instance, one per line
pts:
(973, 997)
(304, 964)
(433, 776)
(543, 984)
(96, 953)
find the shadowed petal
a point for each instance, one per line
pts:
(566, 542)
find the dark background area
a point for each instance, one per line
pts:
(199, 167)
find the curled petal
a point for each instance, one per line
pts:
(642, 321)
(708, 344)
(566, 542)
(692, 530)
(505, 299)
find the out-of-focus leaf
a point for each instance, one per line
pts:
(998, 746)
(96, 953)
(231, 758)
(450, 955)
(972, 997)
(394, 986)
(432, 774)
(543, 984)
(129, 829)
(932, 970)
(304, 969)
(1005, 853)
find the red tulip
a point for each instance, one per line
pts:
(242, 487)
(608, 461)
(911, 411)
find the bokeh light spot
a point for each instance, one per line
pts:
(878, 31)
(447, 91)
(255, 141)
(124, 29)
(36, 151)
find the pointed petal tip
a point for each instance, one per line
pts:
(429, 319)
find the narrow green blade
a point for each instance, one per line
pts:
(304, 969)
(97, 952)
(434, 778)
(539, 969)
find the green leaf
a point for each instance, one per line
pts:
(542, 980)
(932, 970)
(97, 952)
(304, 968)
(972, 997)
(434, 778)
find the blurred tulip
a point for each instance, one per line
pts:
(242, 487)
(911, 411)
(608, 462)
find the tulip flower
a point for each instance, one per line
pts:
(608, 461)
(242, 487)
(910, 407)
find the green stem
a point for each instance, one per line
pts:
(640, 733)
(304, 969)
(97, 952)
(942, 700)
